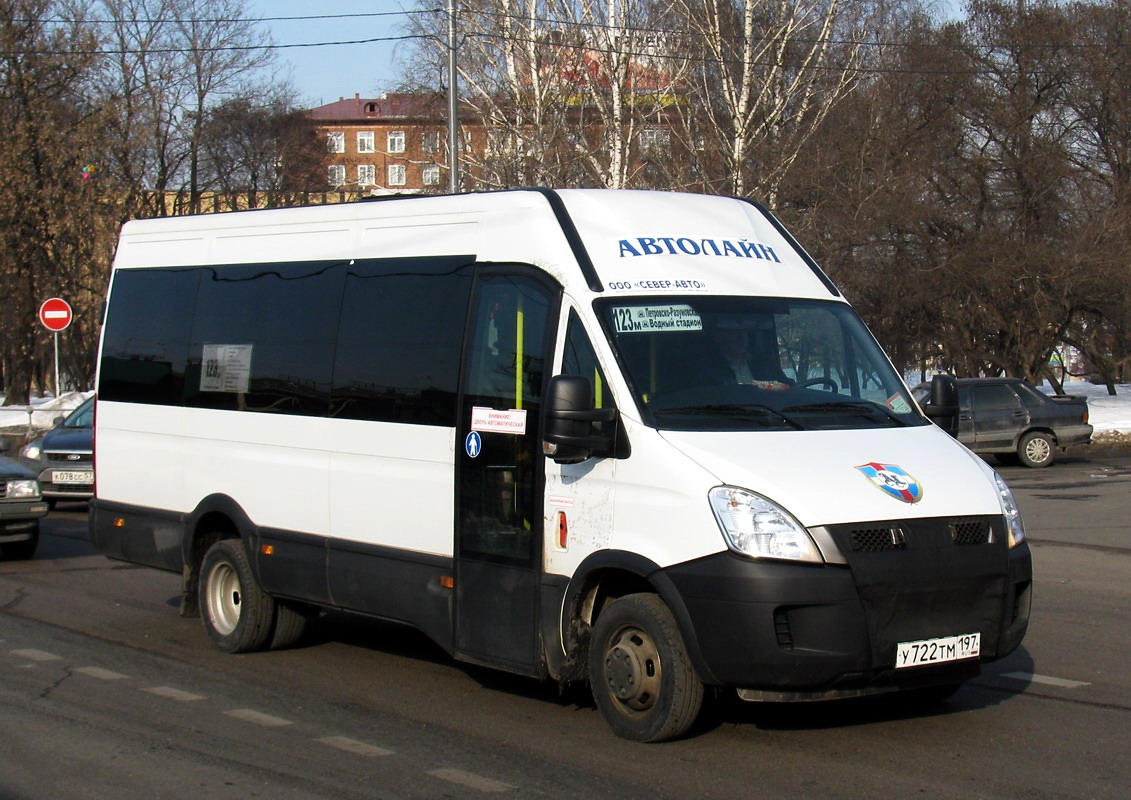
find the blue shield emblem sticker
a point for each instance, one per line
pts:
(893, 480)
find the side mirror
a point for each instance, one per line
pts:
(942, 407)
(574, 430)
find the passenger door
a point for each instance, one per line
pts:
(501, 468)
(998, 415)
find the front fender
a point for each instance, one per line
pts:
(613, 573)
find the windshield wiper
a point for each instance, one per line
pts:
(851, 407)
(740, 410)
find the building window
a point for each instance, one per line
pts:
(366, 175)
(336, 142)
(431, 175)
(395, 141)
(655, 139)
(396, 175)
(365, 142)
(337, 175)
(431, 142)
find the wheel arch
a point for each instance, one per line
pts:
(603, 577)
(216, 517)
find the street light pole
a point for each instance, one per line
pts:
(453, 103)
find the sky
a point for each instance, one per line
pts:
(326, 73)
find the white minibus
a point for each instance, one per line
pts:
(637, 439)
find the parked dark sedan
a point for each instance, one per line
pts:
(21, 506)
(1015, 421)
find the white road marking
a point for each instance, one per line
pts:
(37, 655)
(258, 718)
(1030, 677)
(101, 674)
(354, 746)
(174, 694)
(470, 780)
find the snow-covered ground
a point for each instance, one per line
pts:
(1110, 416)
(44, 411)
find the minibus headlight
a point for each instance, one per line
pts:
(1013, 524)
(32, 451)
(759, 528)
(23, 489)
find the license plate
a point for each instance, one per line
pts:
(72, 477)
(937, 651)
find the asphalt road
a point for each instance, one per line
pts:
(105, 692)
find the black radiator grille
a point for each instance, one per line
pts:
(904, 534)
(875, 540)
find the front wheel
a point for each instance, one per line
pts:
(237, 614)
(1036, 449)
(641, 675)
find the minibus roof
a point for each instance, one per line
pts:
(602, 241)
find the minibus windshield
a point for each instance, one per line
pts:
(754, 363)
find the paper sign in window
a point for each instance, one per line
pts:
(225, 368)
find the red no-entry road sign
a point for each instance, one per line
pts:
(55, 314)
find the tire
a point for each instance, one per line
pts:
(21, 551)
(640, 673)
(291, 619)
(1036, 449)
(237, 614)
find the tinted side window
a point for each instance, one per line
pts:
(145, 348)
(401, 338)
(994, 398)
(264, 335)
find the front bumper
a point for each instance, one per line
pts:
(71, 489)
(789, 631)
(19, 520)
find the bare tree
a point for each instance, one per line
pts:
(172, 62)
(262, 153)
(563, 88)
(770, 71)
(48, 212)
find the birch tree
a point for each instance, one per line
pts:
(770, 72)
(562, 86)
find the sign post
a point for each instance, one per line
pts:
(55, 314)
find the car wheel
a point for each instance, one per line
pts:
(21, 551)
(237, 614)
(291, 619)
(1036, 449)
(640, 673)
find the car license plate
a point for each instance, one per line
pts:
(72, 477)
(937, 651)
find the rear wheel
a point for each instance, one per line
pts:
(21, 551)
(291, 619)
(237, 614)
(1036, 449)
(641, 675)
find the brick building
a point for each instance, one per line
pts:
(393, 143)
